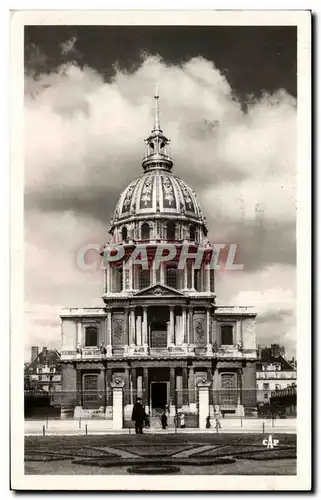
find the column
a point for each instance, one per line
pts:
(127, 387)
(108, 387)
(185, 271)
(123, 285)
(185, 387)
(172, 391)
(191, 329)
(203, 403)
(145, 340)
(145, 389)
(80, 340)
(193, 277)
(191, 391)
(131, 286)
(208, 280)
(126, 321)
(184, 325)
(134, 385)
(208, 329)
(139, 330)
(132, 327)
(162, 273)
(210, 379)
(105, 280)
(117, 388)
(171, 325)
(108, 273)
(109, 344)
(216, 386)
(153, 273)
(239, 411)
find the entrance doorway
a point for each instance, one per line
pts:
(158, 396)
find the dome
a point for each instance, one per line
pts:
(157, 194)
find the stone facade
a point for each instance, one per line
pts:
(160, 331)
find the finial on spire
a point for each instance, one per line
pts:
(157, 123)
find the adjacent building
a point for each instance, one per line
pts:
(43, 372)
(159, 329)
(274, 372)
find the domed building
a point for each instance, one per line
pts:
(159, 330)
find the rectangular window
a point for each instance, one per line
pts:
(227, 335)
(158, 339)
(228, 393)
(266, 386)
(144, 278)
(266, 396)
(91, 336)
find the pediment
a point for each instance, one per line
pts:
(159, 291)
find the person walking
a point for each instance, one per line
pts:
(164, 420)
(217, 417)
(208, 422)
(182, 421)
(138, 416)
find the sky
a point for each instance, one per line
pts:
(228, 104)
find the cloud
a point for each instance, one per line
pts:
(83, 145)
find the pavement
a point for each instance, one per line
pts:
(95, 427)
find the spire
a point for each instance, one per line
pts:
(156, 122)
(157, 144)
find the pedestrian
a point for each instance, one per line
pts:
(208, 422)
(138, 416)
(164, 420)
(176, 420)
(217, 417)
(182, 421)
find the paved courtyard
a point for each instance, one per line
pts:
(216, 454)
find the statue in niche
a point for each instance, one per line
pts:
(199, 331)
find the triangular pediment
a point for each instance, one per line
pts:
(159, 291)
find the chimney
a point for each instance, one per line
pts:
(44, 353)
(34, 352)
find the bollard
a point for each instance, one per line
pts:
(241, 422)
(272, 422)
(79, 423)
(43, 430)
(86, 429)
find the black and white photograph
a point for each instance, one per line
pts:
(165, 192)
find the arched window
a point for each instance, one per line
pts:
(91, 336)
(171, 277)
(192, 232)
(124, 233)
(144, 278)
(170, 231)
(145, 231)
(227, 335)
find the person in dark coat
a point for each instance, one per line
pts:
(164, 420)
(138, 416)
